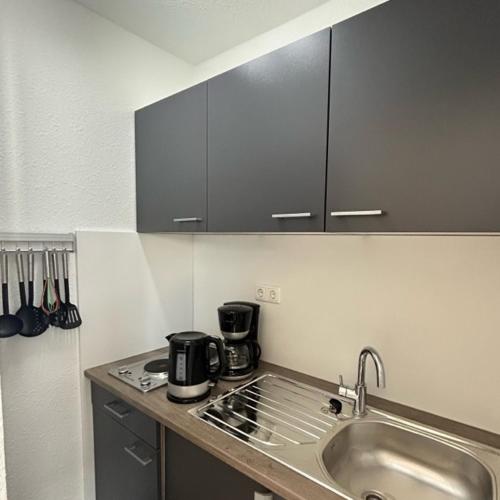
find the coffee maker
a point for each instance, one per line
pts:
(239, 325)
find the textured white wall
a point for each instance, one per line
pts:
(428, 303)
(312, 21)
(69, 84)
(3, 483)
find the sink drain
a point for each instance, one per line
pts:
(373, 495)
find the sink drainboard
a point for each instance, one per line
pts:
(271, 411)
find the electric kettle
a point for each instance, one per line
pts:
(191, 368)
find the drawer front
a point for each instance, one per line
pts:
(128, 416)
(126, 467)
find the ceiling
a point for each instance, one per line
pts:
(196, 30)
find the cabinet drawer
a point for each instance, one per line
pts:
(126, 467)
(128, 416)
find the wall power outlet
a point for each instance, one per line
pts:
(268, 293)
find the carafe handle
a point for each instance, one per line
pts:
(215, 374)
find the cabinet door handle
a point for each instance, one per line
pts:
(118, 414)
(357, 213)
(132, 451)
(188, 219)
(262, 496)
(299, 215)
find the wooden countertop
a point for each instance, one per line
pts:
(272, 475)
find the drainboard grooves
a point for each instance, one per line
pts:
(275, 419)
(294, 389)
(234, 430)
(328, 421)
(271, 411)
(288, 415)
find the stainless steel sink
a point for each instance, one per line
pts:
(374, 460)
(379, 456)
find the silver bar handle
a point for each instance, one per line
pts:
(144, 461)
(357, 213)
(299, 215)
(188, 219)
(31, 265)
(116, 413)
(5, 268)
(20, 267)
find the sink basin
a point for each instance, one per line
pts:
(381, 460)
(380, 456)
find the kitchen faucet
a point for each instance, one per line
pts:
(358, 392)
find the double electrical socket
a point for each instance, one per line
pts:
(268, 293)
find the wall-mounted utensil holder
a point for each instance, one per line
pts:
(37, 242)
(52, 310)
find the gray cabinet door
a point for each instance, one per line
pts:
(415, 118)
(126, 467)
(267, 140)
(192, 473)
(171, 148)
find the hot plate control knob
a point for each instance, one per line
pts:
(122, 370)
(145, 381)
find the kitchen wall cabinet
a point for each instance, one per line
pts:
(127, 457)
(267, 140)
(171, 148)
(193, 473)
(415, 118)
(393, 116)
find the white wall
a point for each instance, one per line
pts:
(70, 82)
(315, 20)
(428, 304)
(3, 482)
(133, 291)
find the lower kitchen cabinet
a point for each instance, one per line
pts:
(126, 466)
(129, 460)
(192, 473)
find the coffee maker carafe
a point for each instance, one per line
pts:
(239, 325)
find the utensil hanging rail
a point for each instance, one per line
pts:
(37, 242)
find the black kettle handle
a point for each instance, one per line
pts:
(215, 374)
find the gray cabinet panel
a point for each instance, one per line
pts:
(193, 473)
(171, 146)
(128, 416)
(415, 117)
(126, 468)
(267, 140)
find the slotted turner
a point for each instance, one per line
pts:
(72, 319)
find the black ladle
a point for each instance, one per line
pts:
(35, 321)
(9, 324)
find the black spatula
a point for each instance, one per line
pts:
(58, 317)
(73, 319)
(35, 321)
(9, 324)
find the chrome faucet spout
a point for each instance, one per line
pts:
(358, 392)
(379, 366)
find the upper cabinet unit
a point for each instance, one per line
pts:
(171, 163)
(415, 118)
(390, 121)
(267, 141)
